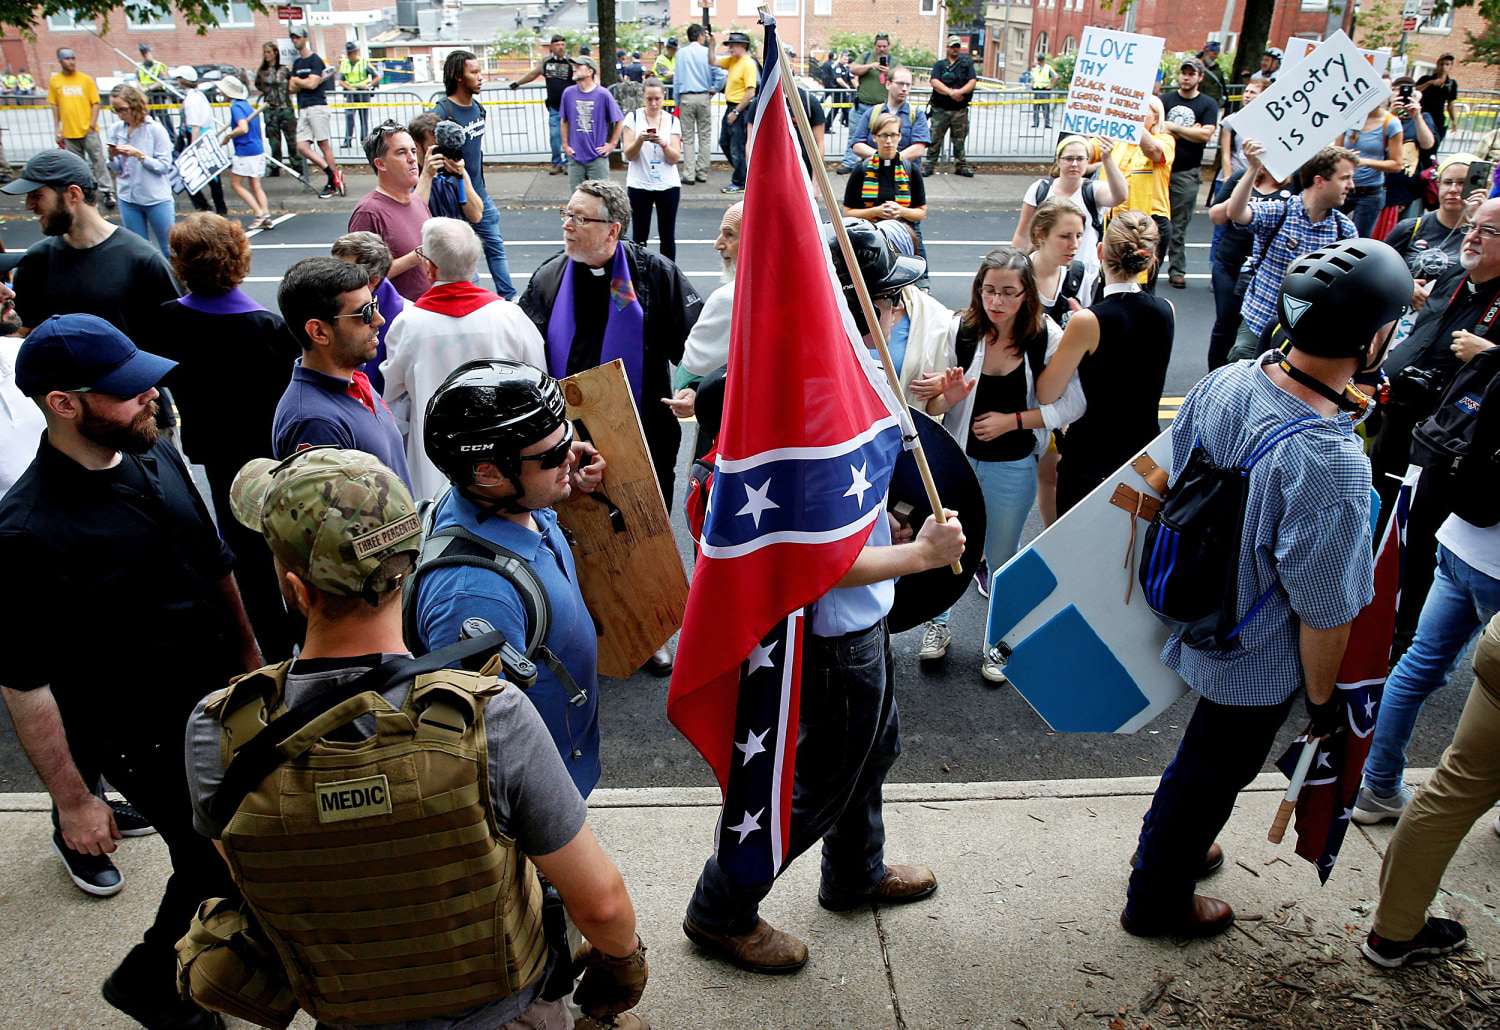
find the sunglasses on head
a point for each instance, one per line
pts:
(555, 455)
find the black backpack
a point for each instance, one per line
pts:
(1044, 187)
(1460, 442)
(1190, 567)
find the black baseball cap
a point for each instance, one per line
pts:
(144, 48)
(350, 47)
(56, 168)
(671, 42)
(1212, 44)
(84, 352)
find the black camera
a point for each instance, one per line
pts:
(1416, 389)
(1406, 89)
(450, 138)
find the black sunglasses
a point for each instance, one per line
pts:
(555, 455)
(365, 311)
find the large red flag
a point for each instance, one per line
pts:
(810, 435)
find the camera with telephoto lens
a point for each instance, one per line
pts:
(1416, 389)
(450, 138)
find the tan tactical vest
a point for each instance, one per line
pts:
(375, 868)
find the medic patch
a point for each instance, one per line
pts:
(353, 799)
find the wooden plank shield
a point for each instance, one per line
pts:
(629, 571)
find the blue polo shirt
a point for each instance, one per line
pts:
(318, 408)
(447, 596)
(914, 128)
(854, 609)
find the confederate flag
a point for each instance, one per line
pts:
(810, 435)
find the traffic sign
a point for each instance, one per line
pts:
(1408, 25)
(285, 13)
(1425, 9)
(1411, 8)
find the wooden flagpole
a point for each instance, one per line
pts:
(867, 306)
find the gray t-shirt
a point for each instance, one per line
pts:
(534, 798)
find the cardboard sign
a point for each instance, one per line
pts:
(196, 166)
(1113, 78)
(1298, 48)
(1312, 106)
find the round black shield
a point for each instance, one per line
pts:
(923, 595)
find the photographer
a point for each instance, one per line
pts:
(444, 184)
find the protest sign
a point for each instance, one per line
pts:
(1298, 48)
(203, 159)
(1313, 105)
(1112, 81)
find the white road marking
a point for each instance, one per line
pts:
(275, 222)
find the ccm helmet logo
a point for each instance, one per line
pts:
(473, 447)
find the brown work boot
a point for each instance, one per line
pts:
(764, 949)
(618, 1021)
(902, 884)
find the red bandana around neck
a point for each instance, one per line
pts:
(456, 299)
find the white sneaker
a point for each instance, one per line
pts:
(993, 667)
(1371, 808)
(935, 641)
(1497, 825)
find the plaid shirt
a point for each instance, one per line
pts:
(1306, 531)
(1294, 236)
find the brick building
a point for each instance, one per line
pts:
(1445, 34)
(236, 41)
(808, 24)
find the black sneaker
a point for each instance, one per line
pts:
(1438, 937)
(164, 1012)
(328, 192)
(92, 874)
(129, 821)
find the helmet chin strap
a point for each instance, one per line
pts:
(489, 506)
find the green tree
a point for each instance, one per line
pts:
(1378, 24)
(1484, 47)
(202, 13)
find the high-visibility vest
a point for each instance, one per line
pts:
(354, 73)
(1041, 77)
(152, 74)
(664, 66)
(27, 82)
(10, 81)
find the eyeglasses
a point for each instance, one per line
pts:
(366, 312)
(1008, 293)
(572, 216)
(1484, 230)
(555, 455)
(420, 255)
(888, 135)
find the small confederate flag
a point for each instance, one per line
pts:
(810, 435)
(1326, 803)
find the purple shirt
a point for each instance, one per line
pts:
(391, 304)
(590, 117)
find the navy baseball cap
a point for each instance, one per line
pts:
(56, 168)
(84, 352)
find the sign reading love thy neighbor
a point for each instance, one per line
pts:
(1328, 93)
(1112, 80)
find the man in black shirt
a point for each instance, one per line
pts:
(557, 70)
(130, 616)
(1192, 118)
(86, 264)
(309, 81)
(953, 81)
(1439, 94)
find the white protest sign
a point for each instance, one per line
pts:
(1112, 81)
(1312, 106)
(196, 166)
(1298, 48)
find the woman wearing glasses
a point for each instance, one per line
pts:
(1118, 349)
(1001, 344)
(886, 186)
(1091, 196)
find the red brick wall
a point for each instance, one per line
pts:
(1425, 46)
(901, 18)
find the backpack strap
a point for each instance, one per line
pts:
(1416, 228)
(1044, 187)
(1073, 282)
(1091, 202)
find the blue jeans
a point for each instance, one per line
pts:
(488, 231)
(158, 217)
(1009, 489)
(554, 129)
(1226, 316)
(1222, 750)
(732, 138)
(850, 158)
(848, 738)
(1364, 209)
(1461, 601)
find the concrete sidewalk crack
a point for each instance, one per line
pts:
(890, 974)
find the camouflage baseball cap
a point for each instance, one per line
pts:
(331, 516)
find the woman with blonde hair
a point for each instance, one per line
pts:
(1093, 197)
(1119, 349)
(140, 156)
(885, 185)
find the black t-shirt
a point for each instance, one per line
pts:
(1436, 98)
(885, 179)
(1238, 241)
(1199, 110)
(952, 74)
(124, 280)
(557, 72)
(312, 64)
(1007, 395)
(1429, 247)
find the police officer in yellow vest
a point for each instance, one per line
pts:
(25, 85)
(10, 80)
(357, 75)
(390, 863)
(666, 61)
(153, 76)
(1042, 77)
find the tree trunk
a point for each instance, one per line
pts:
(607, 44)
(1254, 31)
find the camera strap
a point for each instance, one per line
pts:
(1487, 320)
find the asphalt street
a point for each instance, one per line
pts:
(956, 727)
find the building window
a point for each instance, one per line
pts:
(1069, 45)
(1439, 22)
(1315, 5)
(823, 8)
(153, 20)
(236, 15)
(928, 7)
(789, 8)
(65, 22)
(1041, 46)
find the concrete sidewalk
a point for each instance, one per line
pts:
(1022, 932)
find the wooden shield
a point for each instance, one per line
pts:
(629, 571)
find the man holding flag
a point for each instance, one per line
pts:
(800, 729)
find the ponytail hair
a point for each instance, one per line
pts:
(1048, 214)
(1130, 243)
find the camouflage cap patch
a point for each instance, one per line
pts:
(331, 516)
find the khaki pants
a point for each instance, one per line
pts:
(697, 134)
(1465, 787)
(543, 1015)
(90, 149)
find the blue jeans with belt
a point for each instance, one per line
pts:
(848, 738)
(488, 231)
(1462, 600)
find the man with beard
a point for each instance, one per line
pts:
(120, 559)
(328, 308)
(707, 346)
(86, 265)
